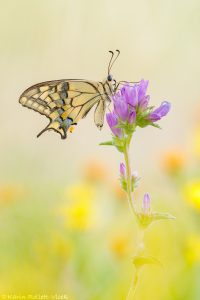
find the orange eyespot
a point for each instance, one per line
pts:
(71, 129)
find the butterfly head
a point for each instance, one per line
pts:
(112, 82)
(109, 78)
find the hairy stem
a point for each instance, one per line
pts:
(129, 179)
(133, 285)
(140, 242)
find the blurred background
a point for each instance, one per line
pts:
(64, 220)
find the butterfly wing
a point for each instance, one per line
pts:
(65, 102)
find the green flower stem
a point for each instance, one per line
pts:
(133, 285)
(139, 251)
(128, 177)
(140, 243)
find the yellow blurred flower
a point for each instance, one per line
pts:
(173, 161)
(192, 193)
(120, 245)
(94, 171)
(193, 248)
(10, 192)
(79, 211)
(78, 215)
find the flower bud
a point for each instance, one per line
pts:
(134, 179)
(146, 204)
(132, 117)
(122, 170)
(159, 112)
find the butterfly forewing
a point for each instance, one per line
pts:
(65, 102)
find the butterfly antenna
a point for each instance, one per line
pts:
(118, 53)
(109, 65)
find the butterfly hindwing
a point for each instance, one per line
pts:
(99, 113)
(65, 102)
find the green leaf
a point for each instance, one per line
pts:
(123, 183)
(155, 125)
(119, 143)
(140, 261)
(162, 216)
(108, 143)
(134, 183)
(146, 219)
(142, 122)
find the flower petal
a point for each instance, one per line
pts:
(132, 117)
(142, 89)
(144, 103)
(163, 109)
(132, 98)
(121, 109)
(160, 112)
(112, 121)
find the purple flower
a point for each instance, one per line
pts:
(112, 120)
(131, 109)
(121, 109)
(142, 89)
(130, 94)
(135, 95)
(122, 170)
(146, 204)
(159, 112)
(124, 103)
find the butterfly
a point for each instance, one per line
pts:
(67, 101)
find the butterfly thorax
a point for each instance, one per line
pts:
(109, 85)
